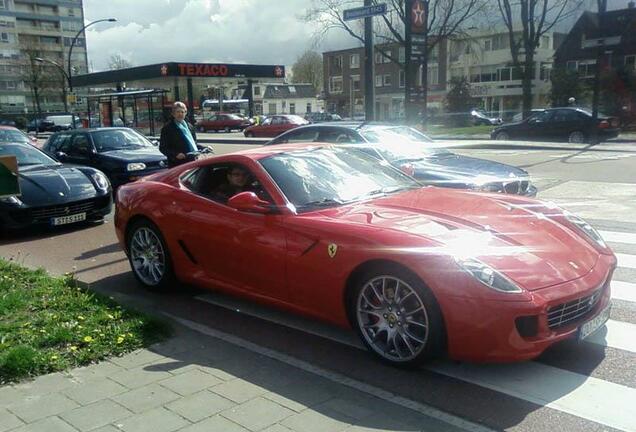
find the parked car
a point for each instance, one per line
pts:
(9, 134)
(123, 154)
(575, 125)
(64, 122)
(417, 155)
(51, 193)
(222, 122)
(322, 117)
(6, 122)
(480, 117)
(328, 232)
(274, 125)
(40, 125)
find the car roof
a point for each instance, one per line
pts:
(7, 127)
(97, 129)
(266, 151)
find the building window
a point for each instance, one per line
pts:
(433, 76)
(257, 91)
(337, 62)
(545, 42)
(4, 37)
(272, 108)
(402, 55)
(292, 108)
(488, 74)
(9, 24)
(308, 109)
(630, 62)
(381, 58)
(378, 80)
(571, 65)
(503, 74)
(354, 61)
(3, 4)
(487, 45)
(355, 82)
(71, 12)
(401, 79)
(335, 84)
(387, 80)
(587, 68)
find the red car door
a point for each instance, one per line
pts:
(246, 251)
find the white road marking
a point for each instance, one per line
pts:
(618, 237)
(616, 334)
(626, 260)
(624, 291)
(335, 377)
(586, 397)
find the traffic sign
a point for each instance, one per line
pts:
(364, 12)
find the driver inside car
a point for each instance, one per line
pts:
(238, 180)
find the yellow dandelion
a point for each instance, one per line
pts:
(73, 348)
(120, 339)
(88, 339)
(110, 316)
(53, 357)
(80, 317)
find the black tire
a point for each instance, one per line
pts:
(168, 279)
(434, 335)
(249, 134)
(201, 129)
(227, 130)
(577, 137)
(502, 136)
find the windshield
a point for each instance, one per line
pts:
(333, 176)
(397, 151)
(26, 154)
(401, 133)
(109, 140)
(12, 136)
(296, 119)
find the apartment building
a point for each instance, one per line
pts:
(484, 58)
(38, 28)
(280, 98)
(344, 80)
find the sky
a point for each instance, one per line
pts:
(215, 31)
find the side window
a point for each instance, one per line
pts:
(337, 136)
(80, 145)
(309, 135)
(542, 117)
(566, 116)
(268, 121)
(276, 120)
(63, 143)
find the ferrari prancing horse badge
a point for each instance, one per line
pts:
(332, 249)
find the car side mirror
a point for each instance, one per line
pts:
(60, 155)
(249, 202)
(154, 142)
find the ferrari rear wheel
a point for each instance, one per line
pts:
(149, 257)
(397, 317)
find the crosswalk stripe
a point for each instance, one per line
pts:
(625, 291)
(586, 397)
(626, 260)
(616, 334)
(618, 237)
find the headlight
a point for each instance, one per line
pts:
(13, 200)
(586, 228)
(101, 181)
(138, 166)
(487, 275)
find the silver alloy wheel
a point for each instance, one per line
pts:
(392, 318)
(147, 256)
(502, 136)
(576, 137)
(227, 130)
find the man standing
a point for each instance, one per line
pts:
(178, 137)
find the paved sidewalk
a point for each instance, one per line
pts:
(193, 383)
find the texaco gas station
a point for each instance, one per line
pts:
(141, 96)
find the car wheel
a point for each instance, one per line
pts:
(576, 137)
(249, 134)
(502, 136)
(227, 130)
(200, 129)
(397, 317)
(149, 257)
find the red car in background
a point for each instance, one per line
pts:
(222, 122)
(10, 134)
(331, 233)
(274, 126)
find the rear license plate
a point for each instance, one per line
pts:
(63, 220)
(594, 324)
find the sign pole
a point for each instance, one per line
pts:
(369, 68)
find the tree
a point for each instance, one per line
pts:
(308, 69)
(564, 85)
(116, 61)
(33, 73)
(536, 18)
(459, 100)
(446, 18)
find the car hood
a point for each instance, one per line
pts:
(150, 154)
(54, 184)
(465, 168)
(532, 250)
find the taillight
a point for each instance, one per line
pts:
(603, 124)
(408, 169)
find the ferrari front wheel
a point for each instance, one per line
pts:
(397, 317)
(149, 257)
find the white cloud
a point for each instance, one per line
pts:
(232, 31)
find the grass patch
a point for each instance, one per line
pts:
(468, 130)
(50, 324)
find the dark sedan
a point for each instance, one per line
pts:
(575, 125)
(417, 155)
(51, 193)
(122, 154)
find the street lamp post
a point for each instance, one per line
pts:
(70, 51)
(66, 77)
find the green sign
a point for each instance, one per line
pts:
(9, 185)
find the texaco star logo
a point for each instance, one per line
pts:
(278, 71)
(164, 70)
(417, 14)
